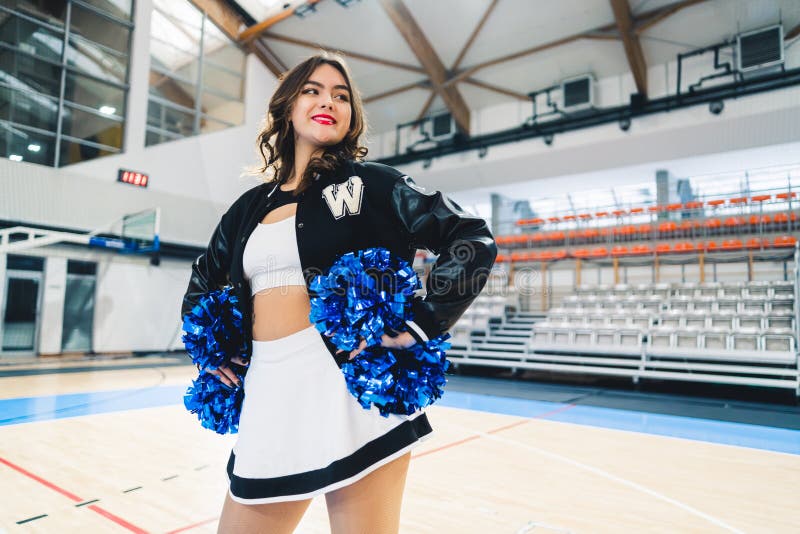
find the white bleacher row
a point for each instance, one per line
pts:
(753, 345)
(742, 333)
(676, 318)
(657, 303)
(764, 288)
(483, 310)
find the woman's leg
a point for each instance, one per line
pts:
(371, 505)
(275, 518)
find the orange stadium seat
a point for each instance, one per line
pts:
(760, 198)
(760, 219)
(693, 205)
(685, 246)
(661, 248)
(560, 254)
(619, 250)
(732, 244)
(784, 241)
(645, 229)
(717, 202)
(501, 258)
(518, 256)
(667, 227)
(733, 222)
(580, 253)
(712, 224)
(637, 210)
(599, 252)
(737, 200)
(674, 207)
(641, 249)
(601, 214)
(709, 246)
(785, 196)
(569, 217)
(521, 238)
(755, 242)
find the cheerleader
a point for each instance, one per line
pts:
(301, 432)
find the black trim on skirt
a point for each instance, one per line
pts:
(393, 441)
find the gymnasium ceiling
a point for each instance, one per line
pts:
(413, 57)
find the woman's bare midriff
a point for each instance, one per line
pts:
(280, 311)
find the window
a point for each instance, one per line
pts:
(196, 75)
(63, 79)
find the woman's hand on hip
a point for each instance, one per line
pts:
(226, 374)
(403, 340)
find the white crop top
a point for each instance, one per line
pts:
(271, 258)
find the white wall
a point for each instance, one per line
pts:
(52, 313)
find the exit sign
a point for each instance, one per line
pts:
(133, 178)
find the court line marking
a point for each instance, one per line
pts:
(499, 429)
(604, 474)
(108, 515)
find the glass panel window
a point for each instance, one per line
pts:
(96, 60)
(222, 81)
(49, 12)
(169, 88)
(25, 145)
(106, 99)
(75, 152)
(91, 127)
(172, 121)
(120, 9)
(84, 87)
(230, 111)
(28, 109)
(26, 73)
(33, 38)
(194, 68)
(99, 29)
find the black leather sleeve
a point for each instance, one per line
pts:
(211, 269)
(464, 244)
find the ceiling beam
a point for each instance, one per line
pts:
(231, 23)
(402, 89)
(419, 44)
(267, 57)
(794, 32)
(457, 62)
(427, 105)
(633, 48)
(254, 31)
(601, 33)
(647, 20)
(475, 32)
(354, 55)
(497, 89)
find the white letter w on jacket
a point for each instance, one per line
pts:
(346, 195)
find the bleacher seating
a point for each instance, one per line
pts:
(741, 333)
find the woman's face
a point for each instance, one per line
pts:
(321, 112)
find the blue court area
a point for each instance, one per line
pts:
(30, 409)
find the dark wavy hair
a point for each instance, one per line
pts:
(276, 139)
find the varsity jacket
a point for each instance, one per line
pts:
(360, 205)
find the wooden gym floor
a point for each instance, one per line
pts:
(106, 446)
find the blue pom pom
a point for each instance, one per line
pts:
(213, 330)
(363, 294)
(399, 381)
(217, 406)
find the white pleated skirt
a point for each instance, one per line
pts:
(301, 432)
